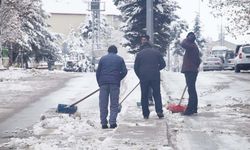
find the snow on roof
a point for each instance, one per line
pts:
(219, 48)
(77, 7)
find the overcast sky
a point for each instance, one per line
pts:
(211, 26)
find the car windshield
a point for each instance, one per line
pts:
(230, 54)
(219, 52)
(246, 49)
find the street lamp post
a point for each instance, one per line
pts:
(1, 57)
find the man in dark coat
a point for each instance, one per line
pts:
(191, 62)
(111, 70)
(148, 63)
(145, 38)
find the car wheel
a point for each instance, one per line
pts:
(237, 69)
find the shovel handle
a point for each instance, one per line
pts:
(129, 93)
(84, 98)
(182, 94)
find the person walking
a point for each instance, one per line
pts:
(110, 71)
(148, 63)
(191, 63)
(145, 38)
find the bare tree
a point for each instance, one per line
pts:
(235, 12)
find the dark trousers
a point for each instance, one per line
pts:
(145, 87)
(150, 94)
(192, 100)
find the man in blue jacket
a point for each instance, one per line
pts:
(111, 70)
(148, 63)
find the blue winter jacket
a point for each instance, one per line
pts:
(111, 69)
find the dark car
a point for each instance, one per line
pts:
(72, 67)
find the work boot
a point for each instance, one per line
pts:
(160, 115)
(112, 126)
(187, 113)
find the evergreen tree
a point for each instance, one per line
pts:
(235, 12)
(197, 30)
(134, 16)
(176, 31)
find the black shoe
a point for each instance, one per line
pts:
(112, 126)
(104, 126)
(195, 111)
(187, 113)
(160, 115)
(145, 117)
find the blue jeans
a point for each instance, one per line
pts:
(192, 100)
(107, 91)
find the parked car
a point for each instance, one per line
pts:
(242, 59)
(212, 63)
(226, 55)
(72, 66)
(229, 60)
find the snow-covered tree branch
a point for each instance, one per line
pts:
(236, 13)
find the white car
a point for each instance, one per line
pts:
(212, 63)
(242, 59)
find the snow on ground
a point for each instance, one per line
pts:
(220, 101)
(14, 74)
(19, 87)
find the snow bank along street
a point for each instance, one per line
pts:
(222, 121)
(20, 87)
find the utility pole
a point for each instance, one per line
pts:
(1, 51)
(150, 19)
(95, 8)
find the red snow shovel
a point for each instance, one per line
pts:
(120, 104)
(71, 109)
(177, 108)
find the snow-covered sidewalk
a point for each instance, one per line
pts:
(223, 118)
(83, 130)
(222, 122)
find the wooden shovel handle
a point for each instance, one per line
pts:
(182, 94)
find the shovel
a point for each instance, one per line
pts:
(120, 104)
(71, 109)
(177, 108)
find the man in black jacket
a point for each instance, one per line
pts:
(145, 38)
(148, 63)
